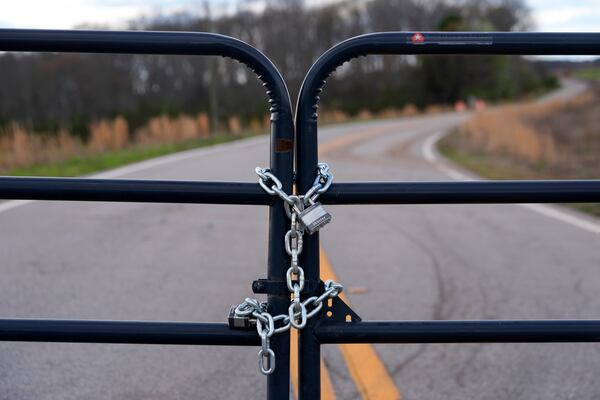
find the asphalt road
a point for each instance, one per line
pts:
(191, 262)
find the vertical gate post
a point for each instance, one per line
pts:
(309, 350)
(282, 145)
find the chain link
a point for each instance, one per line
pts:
(320, 185)
(298, 313)
(266, 323)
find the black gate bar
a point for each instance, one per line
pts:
(392, 193)
(139, 332)
(207, 192)
(282, 127)
(125, 190)
(316, 332)
(472, 192)
(488, 331)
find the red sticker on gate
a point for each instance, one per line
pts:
(451, 38)
(417, 38)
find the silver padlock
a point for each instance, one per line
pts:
(314, 218)
(240, 321)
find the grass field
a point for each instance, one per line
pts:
(588, 73)
(85, 165)
(558, 140)
(501, 169)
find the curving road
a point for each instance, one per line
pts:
(191, 262)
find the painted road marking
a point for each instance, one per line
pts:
(431, 155)
(327, 392)
(354, 356)
(366, 368)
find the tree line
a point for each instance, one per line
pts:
(49, 92)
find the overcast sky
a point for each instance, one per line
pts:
(549, 15)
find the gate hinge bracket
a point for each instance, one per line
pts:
(337, 310)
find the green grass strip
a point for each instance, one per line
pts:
(88, 164)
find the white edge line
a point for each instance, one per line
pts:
(9, 205)
(429, 152)
(153, 163)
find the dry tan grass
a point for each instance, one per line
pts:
(164, 129)
(436, 109)
(18, 147)
(559, 139)
(409, 110)
(203, 125)
(109, 135)
(334, 117)
(256, 125)
(507, 131)
(364, 115)
(234, 125)
(21, 148)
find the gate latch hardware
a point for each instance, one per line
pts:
(253, 313)
(237, 321)
(314, 218)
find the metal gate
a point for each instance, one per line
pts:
(330, 320)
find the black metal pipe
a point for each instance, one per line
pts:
(151, 191)
(309, 349)
(428, 43)
(498, 331)
(123, 190)
(525, 43)
(282, 165)
(144, 42)
(138, 332)
(282, 126)
(479, 192)
(393, 43)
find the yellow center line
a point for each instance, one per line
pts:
(327, 392)
(366, 368)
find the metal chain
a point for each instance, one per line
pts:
(320, 185)
(298, 313)
(266, 323)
